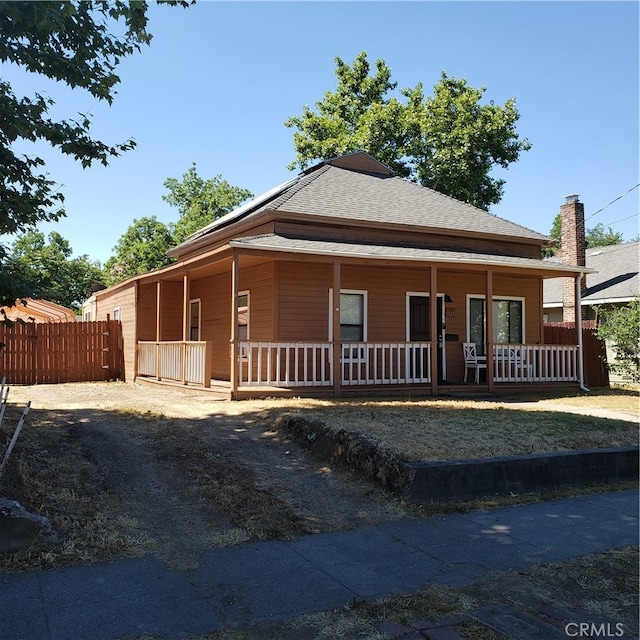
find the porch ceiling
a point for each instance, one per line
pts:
(282, 244)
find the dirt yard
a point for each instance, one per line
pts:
(124, 470)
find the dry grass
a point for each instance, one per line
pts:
(445, 429)
(103, 461)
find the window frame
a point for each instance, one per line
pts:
(494, 300)
(199, 325)
(352, 354)
(244, 350)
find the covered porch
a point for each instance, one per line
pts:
(237, 320)
(270, 367)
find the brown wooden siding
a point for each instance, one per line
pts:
(215, 319)
(370, 235)
(303, 301)
(125, 299)
(258, 280)
(147, 312)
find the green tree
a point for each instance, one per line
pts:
(200, 201)
(143, 247)
(47, 269)
(597, 236)
(621, 327)
(76, 43)
(449, 141)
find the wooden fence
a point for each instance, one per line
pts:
(49, 353)
(594, 351)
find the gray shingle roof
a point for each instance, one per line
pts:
(344, 194)
(338, 193)
(616, 280)
(274, 242)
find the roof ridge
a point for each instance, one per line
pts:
(613, 247)
(287, 194)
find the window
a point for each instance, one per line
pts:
(116, 313)
(353, 321)
(352, 317)
(242, 331)
(508, 321)
(194, 319)
(477, 324)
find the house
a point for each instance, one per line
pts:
(345, 278)
(37, 310)
(614, 281)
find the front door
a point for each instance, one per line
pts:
(419, 326)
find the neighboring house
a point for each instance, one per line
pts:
(344, 278)
(614, 281)
(38, 311)
(88, 311)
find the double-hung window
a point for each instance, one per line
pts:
(194, 319)
(508, 321)
(353, 322)
(243, 321)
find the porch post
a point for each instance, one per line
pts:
(433, 327)
(578, 316)
(233, 369)
(158, 326)
(186, 319)
(335, 323)
(185, 307)
(489, 329)
(136, 356)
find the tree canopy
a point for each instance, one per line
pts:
(621, 326)
(143, 247)
(449, 141)
(48, 271)
(200, 201)
(76, 43)
(597, 236)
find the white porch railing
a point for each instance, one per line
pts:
(301, 364)
(284, 364)
(535, 363)
(386, 363)
(188, 362)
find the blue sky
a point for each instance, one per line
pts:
(219, 79)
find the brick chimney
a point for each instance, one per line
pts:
(572, 251)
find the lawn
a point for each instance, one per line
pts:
(124, 470)
(447, 429)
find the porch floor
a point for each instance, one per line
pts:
(222, 389)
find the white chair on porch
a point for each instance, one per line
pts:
(472, 360)
(518, 359)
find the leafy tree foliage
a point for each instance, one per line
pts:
(597, 236)
(449, 141)
(621, 326)
(48, 271)
(200, 201)
(77, 43)
(143, 247)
